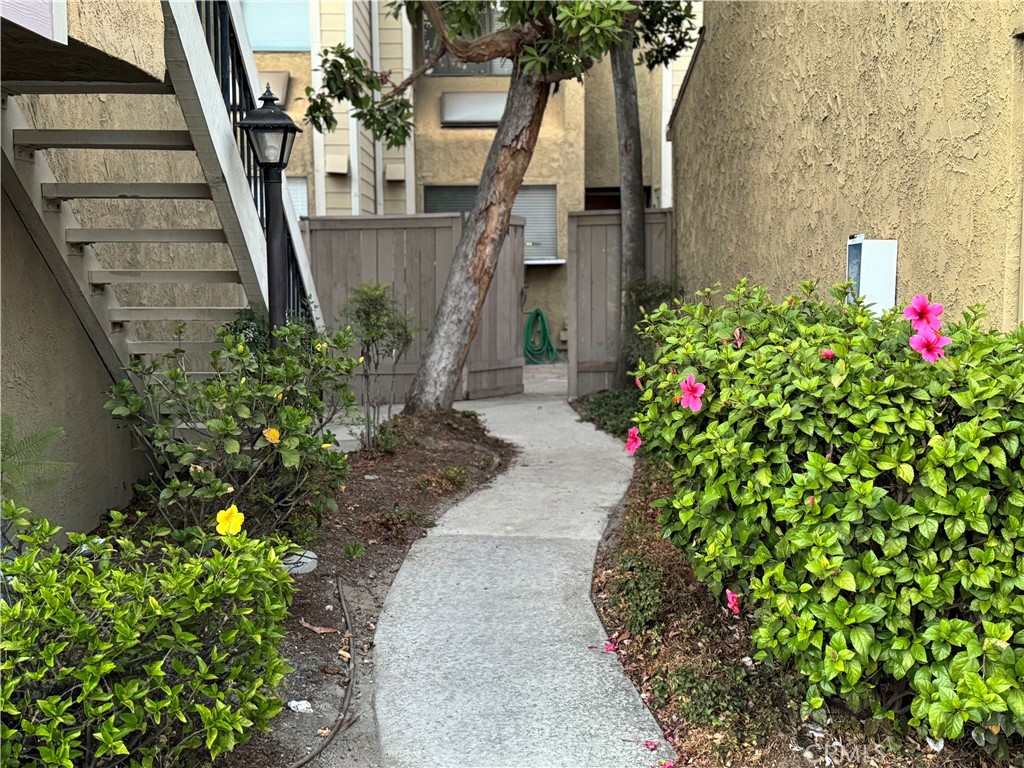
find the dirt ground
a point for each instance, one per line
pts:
(389, 501)
(692, 662)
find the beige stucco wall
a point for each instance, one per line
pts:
(602, 136)
(297, 65)
(456, 156)
(132, 31)
(50, 375)
(805, 122)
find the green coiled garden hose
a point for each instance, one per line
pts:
(544, 351)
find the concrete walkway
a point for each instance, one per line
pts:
(489, 651)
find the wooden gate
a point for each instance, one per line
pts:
(594, 279)
(413, 254)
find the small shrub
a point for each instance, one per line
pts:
(255, 434)
(387, 439)
(400, 518)
(383, 333)
(638, 586)
(133, 653)
(611, 410)
(867, 505)
(354, 549)
(455, 477)
(444, 480)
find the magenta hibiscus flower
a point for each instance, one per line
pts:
(691, 393)
(922, 314)
(930, 344)
(633, 441)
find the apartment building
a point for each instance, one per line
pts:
(456, 107)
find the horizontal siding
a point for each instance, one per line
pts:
(338, 195)
(332, 21)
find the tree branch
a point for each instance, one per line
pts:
(503, 44)
(402, 86)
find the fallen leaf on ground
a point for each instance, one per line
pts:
(318, 630)
(344, 654)
(324, 732)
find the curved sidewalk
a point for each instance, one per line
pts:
(489, 651)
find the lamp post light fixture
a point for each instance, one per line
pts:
(271, 134)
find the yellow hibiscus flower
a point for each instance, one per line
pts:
(229, 521)
(273, 435)
(321, 346)
(326, 445)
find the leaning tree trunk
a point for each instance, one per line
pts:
(437, 378)
(631, 193)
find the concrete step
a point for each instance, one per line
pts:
(87, 191)
(159, 347)
(36, 138)
(80, 236)
(220, 314)
(189, 276)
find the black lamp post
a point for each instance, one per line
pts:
(271, 134)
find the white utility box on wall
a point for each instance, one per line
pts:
(871, 267)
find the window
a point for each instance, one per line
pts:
(298, 189)
(537, 204)
(277, 25)
(449, 67)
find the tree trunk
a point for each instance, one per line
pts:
(437, 378)
(631, 192)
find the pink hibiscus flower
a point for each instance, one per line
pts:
(691, 393)
(922, 314)
(633, 441)
(638, 384)
(930, 344)
(827, 354)
(733, 600)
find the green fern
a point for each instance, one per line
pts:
(22, 464)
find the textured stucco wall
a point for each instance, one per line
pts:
(51, 376)
(805, 122)
(602, 136)
(456, 156)
(132, 31)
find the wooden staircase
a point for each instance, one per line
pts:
(133, 283)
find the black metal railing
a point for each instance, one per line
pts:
(226, 53)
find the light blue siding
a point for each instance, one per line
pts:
(277, 25)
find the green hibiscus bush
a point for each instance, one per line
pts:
(866, 504)
(254, 434)
(131, 653)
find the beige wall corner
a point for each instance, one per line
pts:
(52, 376)
(602, 156)
(804, 123)
(132, 31)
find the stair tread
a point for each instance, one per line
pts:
(145, 235)
(100, 276)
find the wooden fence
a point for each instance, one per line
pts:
(594, 294)
(413, 254)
